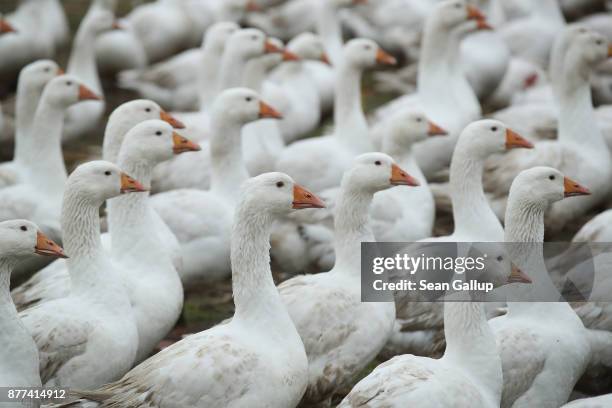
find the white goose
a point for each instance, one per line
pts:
(32, 80)
(580, 148)
(82, 64)
(541, 362)
(200, 219)
(40, 160)
(340, 333)
(89, 337)
(19, 356)
(440, 73)
(468, 375)
(170, 82)
(320, 162)
(416, 330)
(53, 282)
(257, 360)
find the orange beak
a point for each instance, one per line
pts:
(435, 130)
(266, 111)
(60, 71)
(572, 189)
(86, 94)
(171, 120)
(303, 198)
(181, 144)
(44, 246)
(325, 59)
(5, 27)
(513, 140)
(474, 13)
(289, 56)
(383, 58)
(400, 178)
(129, 185)
(481, 24)
(530, 80)
(518, 276)
(269, 47)
(252, 6)
(609, 50)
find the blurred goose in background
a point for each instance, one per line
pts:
(39, 166)
(319, 162)
(261, 333)
(580, 148)
(86, 117)
(19, 364)
(440, 73)
(32, 81)
(470, 371)
(541, 362)
(170, 82)
(201, 220)
(89, 337)
(341, 334)
(418, 327)
(53, 282)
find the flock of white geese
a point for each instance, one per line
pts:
(201, 180)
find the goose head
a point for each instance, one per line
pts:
(252, 43)
(308, 46)
(37, 74)
(66, 90)
(98, 181)
(269, 61)
(410, 127)
(21, 238)
(217, 35)
(452, 13)
(488, 136)
(364, 53)
(590, 47)
(498, 268)
(100, 21)
(545, 185)
(133, 112)
(240, 106)
(276, 193)
(372, 172)
(155, 141)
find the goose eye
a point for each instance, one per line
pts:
(248, 99)
(458, 5)
(551, 177)
(148, 110)
(69, 83)
(377, 162)
(280, 184)
(500, 258)
(419, 120)
(23, 228)
(107, 173)
(254, 38)
(367, 47)
(599, 42)
(494, 128)
(158, 133)
(47, 69)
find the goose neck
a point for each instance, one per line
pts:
(232, 67)
(434, 63)
(470, 344)
(41, 150)
(470, 205)
(329, 29)
(208, 74)
(25, 109)
(130, 220)
(351, 228)
(6, 267)
(524, 220)
(254, 75)
(255, 295)
(114, 135)
(82, 61)
(351, 127)
(227, 168)
(577, 120)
